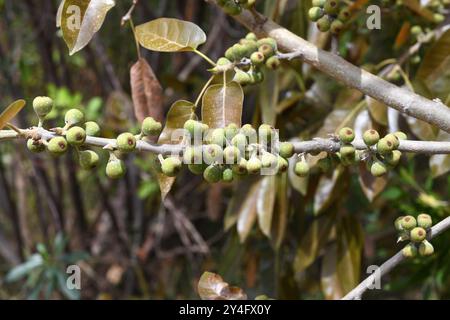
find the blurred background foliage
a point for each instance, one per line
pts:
(319, 235)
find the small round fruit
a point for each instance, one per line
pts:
(426, 249)
(315, 13)
(232, 8)
(151, 127)
(227, 175)
(254, 165)
(115, 169)
(242, 77)
(223, 61)
(126, 142)
(251, 36)
(371, 137)
(331, 6)
(438, 18)
(193, 127)
(218, 137)
(393, 158)
(393, 138)
(344, 14)
(257, 58)
(212, 153)
(318, 3)
(193, 155)
(92, 129)
(171, 166)
(196, 169)
(324, 24)
(57, 146)
(409, 223)
(231, 154)
(240, 141)
(424, 221)
(282, 165)
(212, 174)
(286, 150)
(410, 251)
(76, 136)
(378, 168)
(229, 54)
(269, 160)
(267, 50)
(416, 30)
(336, 26)
(273, 63)
(270, 41)
(301, 169)
(401, 135)
(325, 164)
(241, 167)
(346, 135)
(239, 51)
(231, 130)
(385, 146)
(347, 150)
(42, 106)
(398, 223)
(74, 117)
(418, 234)
(88, 159)
(35, 146)
(266, 132)
(250, 133)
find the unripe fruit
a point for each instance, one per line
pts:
(42, 106)
(231, 154)
(126, 142)
(344, 14)
(250, 133)
(282, 165)
(212, 174)
(336, 26)
(273, 63)
(35, 146)
(193, 127)
(331, 6)
(240, 141)
(325, 164)
(418, 234)
(151, 127)
(267, 50)
(393, 138)
(324, 24)
(408, 223)
(239, 51)
(270, 41)
(378, 168)
(76, 136)
(371, 137)
(346, 135)
(88, 159)
(416, 30)
(232, 8)
(171, 166)
(393, 158)
(315, 13)
(254, 165)
(218, 137)
(385, 146)
(229, 54)
(92, 129)
(193, 155)
(223, 61)
(401, 135)
(196, 169)
(257, 58)
(424, 221)
(301, 169)
(227, 175)
(74, 117)
(257, 76)
(115, 169)
(251, 36)
(212, 153)
(241, 167)
(318, 3)
(242, 77)
(426, 248)
(286, 150)
(347, 151)
(398, 223)
(249, 45)
(269, 160)
(410, 251)
(231, 130)
(438, 18)
(265, 132)
(57, 146)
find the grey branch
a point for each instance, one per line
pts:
(390, 264)
(410, 103)
(315, 145)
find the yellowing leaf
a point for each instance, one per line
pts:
(415, 6)
(378, 110)
(371, 186)
(80, 20)
(247, 212)
(222, 104)
(170, 35)
(212, 287)
(265, 204)
(326, 191)
(10, 112)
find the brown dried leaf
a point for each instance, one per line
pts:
(10, 112)
(146, 91)
(211, 286)
(371, 186)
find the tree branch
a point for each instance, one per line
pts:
(390, 264)
(410, 103)
(315, 145)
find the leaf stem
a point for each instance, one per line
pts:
(203, 91)
(204, 56)
(135, 38)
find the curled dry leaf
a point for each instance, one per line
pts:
(10, 112)
(146, 91)
(211, 286)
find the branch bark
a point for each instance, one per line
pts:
(407, 102)
(390, 264)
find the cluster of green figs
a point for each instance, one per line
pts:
(235, 7)
(416, 231)
(329, 15)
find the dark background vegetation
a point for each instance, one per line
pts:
(137, 247)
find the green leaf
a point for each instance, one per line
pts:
(170, 35)
(247, 212)
(212, 287)
(22, 270)
(79, 20)
(10, 112)
(265, 204)
(222, 104)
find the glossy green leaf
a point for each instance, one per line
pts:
(170, 35)
(79, 20)
(222, 104)
(10, 112)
